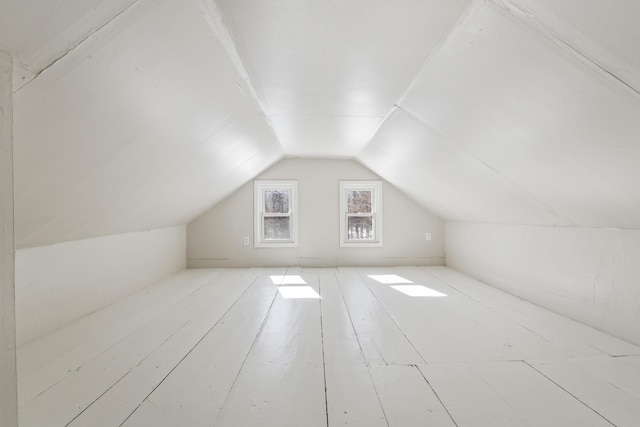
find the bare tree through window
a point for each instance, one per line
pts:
(276, 227)
(361, 213)
(276, 213)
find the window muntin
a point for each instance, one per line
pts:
(360, 213)
(276, 214)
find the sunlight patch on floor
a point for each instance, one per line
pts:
(418, 291)
(298, 292)
(388, 279)
(288, 280)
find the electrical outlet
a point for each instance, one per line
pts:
(427, 236)
(245, 241)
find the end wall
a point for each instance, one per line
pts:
(215, 238)
(63, 282)
(587, 274)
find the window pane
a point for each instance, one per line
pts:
(277, 228)
(359, 201)
(360, 228)
(276, 201)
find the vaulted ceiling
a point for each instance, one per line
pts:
(132, 115)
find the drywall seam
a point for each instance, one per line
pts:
(582, 55)
(73, 46)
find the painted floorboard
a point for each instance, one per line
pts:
(69, 348)
(507, 329)
(223, 347)
(434, 338)
(408, 400)
(117, 403)
(194, 392)
(87, 333)
(282, 381)
(352, 399)
(581, 339)
(62, 402)
(598, 383)
(381, 339)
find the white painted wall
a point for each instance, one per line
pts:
(8, 381)
(59, 283)
(215, 238)
(587, 274)
(534, 135)
(120, 136)
(328, 73)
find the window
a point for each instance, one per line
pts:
(360, 213)
(276, 213)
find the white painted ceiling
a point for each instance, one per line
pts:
(140, 114)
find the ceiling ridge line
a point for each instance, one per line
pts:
(459, 23)
(77, 44)
(527, 17)
(216, 21)
(519, 190)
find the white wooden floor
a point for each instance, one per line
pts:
(224, 348)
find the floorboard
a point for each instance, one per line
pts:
(281, 382)
(408, 399)
(225, 347)
(351, 396)
(209, 370)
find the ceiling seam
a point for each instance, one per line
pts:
(517, 188)
(216, 21)
(78, 44)
(459, 23)
(528, 18)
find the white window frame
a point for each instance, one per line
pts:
(259, 188)
(376, 206)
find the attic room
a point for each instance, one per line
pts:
(288, 213)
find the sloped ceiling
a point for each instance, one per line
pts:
(139, 114)
(509, 123)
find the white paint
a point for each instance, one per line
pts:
(428, 167)
(223, 348)
(289, 279)
(611, 380)
(380, 338)
(281, 355)
(407, 399)
(298, 292)
(513, 112)
(507, 394)
(389, 279)
(351, 396)
(129, 138)
(586, 274)
(53, 28)
(8, 382)
(603, 33)
(328, 73)
(154, 347)
(169, 405)
(212, 238)
(60, 283)
(502, 125)
(418, 291)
